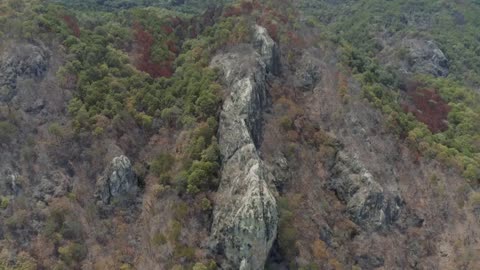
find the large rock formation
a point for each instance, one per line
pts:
(268, 50)
(367, 203)
(245, 216)
(117, 180)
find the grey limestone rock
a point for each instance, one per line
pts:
(26, 60)
(9, 181)
(268, 50)
(117, 180)
(424, 56)
(367, 203)
(54, 185)
(245, 215)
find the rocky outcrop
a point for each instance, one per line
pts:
(268, 50)
(9, 182)
(51, 186)
(424, 56)
(366, 202)
(117, 180)
(25, 60)
(245, 215)
(307, 73)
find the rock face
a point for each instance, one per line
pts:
(424, 56)
(268, 50)
(26, 60)
(52, 186)
(245, 215)
(367, 203)
(8, 182)
(118, 180)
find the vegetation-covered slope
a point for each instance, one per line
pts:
(373, 34)
(364, 136)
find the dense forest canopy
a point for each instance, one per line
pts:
(187, 6)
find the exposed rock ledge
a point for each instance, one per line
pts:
(245, 215)
(366, 201)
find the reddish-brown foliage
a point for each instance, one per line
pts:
(172, 47)
(428, 107)
(167, 29)
(272, 30)
(144, 42)
(72, 24)
(232, 11)
(295, 40)
(175, 21)
(247, 7)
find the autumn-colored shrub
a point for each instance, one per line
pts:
(72, 24)
(286, 123)
(428, 107)
(319, 250)
(144, 42)
(232, 11)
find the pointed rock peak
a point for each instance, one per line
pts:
(117, 180)
(268, 50)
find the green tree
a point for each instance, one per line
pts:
(162, 164)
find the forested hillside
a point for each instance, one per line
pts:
(253, 134)
(386, 51)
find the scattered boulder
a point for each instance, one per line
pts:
(307, 72)
(117, 180)
(367, 203)
(51, 186)
(26, 60)
(424, 56)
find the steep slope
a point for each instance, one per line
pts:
(353, 194)
(254, 135)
